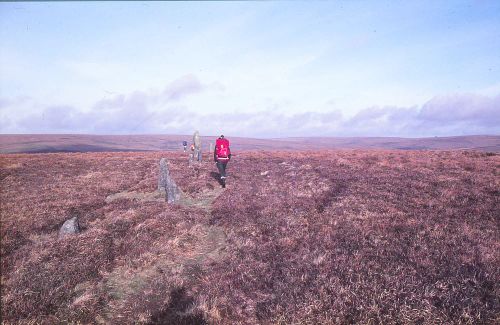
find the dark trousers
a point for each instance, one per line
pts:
(221, 166)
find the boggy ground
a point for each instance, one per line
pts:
(295, 238)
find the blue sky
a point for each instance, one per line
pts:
(258, 69)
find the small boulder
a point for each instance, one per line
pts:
(70, 227)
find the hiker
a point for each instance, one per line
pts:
(222, 155)
(185, 145)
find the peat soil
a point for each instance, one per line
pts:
(332, 237)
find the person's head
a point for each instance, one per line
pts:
(221, 136)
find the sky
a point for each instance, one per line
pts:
(253, 69)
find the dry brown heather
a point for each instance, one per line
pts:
(295, 238)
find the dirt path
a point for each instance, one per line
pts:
(183, 260)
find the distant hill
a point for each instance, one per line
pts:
(44, 143)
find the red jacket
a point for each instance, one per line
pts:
(220, 144)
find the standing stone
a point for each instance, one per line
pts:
(197, 145)
(167, 184)
(69, 227)
(191, 157)
(199, 154)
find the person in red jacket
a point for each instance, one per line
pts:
(222, 155)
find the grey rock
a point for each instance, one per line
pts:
(197, 154)
(197, 140)
(167, 184)
(197, 146)
(69, 227)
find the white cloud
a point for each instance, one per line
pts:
(167, 112)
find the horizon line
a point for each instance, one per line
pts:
(248, 137)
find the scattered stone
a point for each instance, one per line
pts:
(155, 196)
(167, 184)
(70, 227)
(286, 165)
(264, 173)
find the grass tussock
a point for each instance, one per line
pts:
(296, 238)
